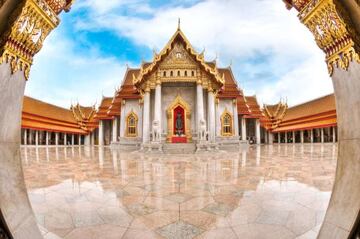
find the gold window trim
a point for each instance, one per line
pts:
(129, 134)
(225, 114)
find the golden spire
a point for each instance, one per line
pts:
(179, 23)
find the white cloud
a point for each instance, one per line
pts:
(235, 30)
(62, 76)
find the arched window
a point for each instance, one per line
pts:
(131, 125)
(192, 73)
(185, 73)
(171, 73)
(178, 73)
(226, 124)
(164, 74)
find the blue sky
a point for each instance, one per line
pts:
(271, 54)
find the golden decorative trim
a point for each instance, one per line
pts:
(225, 114)
(127, 133)
(198, 59)
(330, 32)
(179, 101)
(28, 33)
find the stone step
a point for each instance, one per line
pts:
(187, 148)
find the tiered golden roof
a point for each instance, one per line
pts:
(274, 114)
(85, 116)
(147, 69)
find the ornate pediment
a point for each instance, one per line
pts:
(178, 58)
(178, 61)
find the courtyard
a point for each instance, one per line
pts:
(267, 191)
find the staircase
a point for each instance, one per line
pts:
(187, 148)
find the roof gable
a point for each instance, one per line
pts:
(176, 39)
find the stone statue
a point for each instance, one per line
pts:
(202, 130)
(156, 131)
(179, 124)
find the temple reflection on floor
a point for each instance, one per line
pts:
(87, 192)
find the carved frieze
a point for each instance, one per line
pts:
(36, 20)
(330, 32)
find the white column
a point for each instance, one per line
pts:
(279, 138)
(101, 133)
(322, 135)
(56, 138)
(114, 130)
(72, 139)
(92, 138)
(65, 138)
(302, 136)
(334, 134)
(47, 138)
(25, 136)
(243, 128)
(286, 137)
(266, 136)
(311, 136)
(236, 120)
(211, 112)
(87, 140)
(146, 118)
(271, 138)
(257, 131)
(200, 105)
(157, 108)
(36, 137)
(30, 137)
(79, 139)
(293, 137)
(122, 119)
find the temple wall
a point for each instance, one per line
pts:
(132, 105)
(169, 93)
(224, 104)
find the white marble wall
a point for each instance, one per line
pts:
(169, 93)
(224, 104)
(131, 105)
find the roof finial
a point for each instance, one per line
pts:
(179, 23)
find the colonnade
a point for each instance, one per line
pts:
(40, 137)
(317, 135)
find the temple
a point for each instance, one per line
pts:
(179, 98)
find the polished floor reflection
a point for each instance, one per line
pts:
(279, 191)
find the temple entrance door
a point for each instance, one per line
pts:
(179, 124)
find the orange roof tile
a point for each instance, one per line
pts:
(37, 107)
(127, 91)
(317, 113)
(313, 107)
(255, 111)
(308, 125)
(39, 115)
(103, 108)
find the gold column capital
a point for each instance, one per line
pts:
(34, 23)
(331, 33)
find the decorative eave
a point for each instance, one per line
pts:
(36, 20)
(332, 35)
(147, 70)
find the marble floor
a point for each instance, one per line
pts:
(279, 191)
